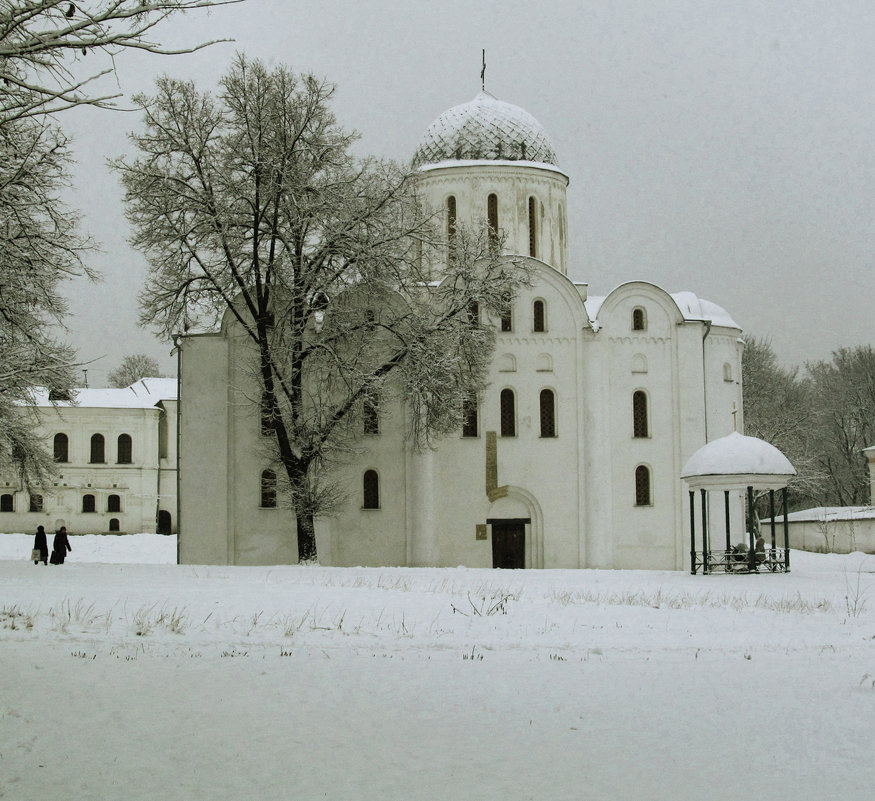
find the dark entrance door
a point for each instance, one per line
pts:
(508, 544)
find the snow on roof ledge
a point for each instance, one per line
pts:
(736, 462)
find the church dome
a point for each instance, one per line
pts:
(485, 128)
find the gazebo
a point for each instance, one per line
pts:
(737, 463)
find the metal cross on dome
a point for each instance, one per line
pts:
(483, 73)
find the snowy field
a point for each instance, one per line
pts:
(125, 676)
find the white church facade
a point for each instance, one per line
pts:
(573, 456)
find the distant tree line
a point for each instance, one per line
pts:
(821, 417)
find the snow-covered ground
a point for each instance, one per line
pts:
(125, 676)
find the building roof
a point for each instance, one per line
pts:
(692, 307)
(142, 394)
(828, 514)
(485, 128)
(737, 461)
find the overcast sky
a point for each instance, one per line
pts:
(720, 147)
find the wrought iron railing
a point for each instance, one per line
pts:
(772, 560)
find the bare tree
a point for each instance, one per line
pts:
(248, 204)
(133, 368)
(44, 44)
(778, 408)
(845, 396)
(43, 71)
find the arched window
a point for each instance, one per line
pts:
(61, 446)
(473, 312)
(88, 504)
(539, 318)
(642, 486)
(469, 417)
(114, 524)
(507, 316)
(548, 413)
(125, 449)
(268, 489)
(371, 414)
(98, 449)
(113, 503)
(36, 503)
(492, 218)
(639, 363)
(533, 227)
(639, 319)
(727, 371)
(639, 414)
(508, 413)
(370, 490)
(7, 503)
(451, 224)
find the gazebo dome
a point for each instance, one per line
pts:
(485, 128)
(737, 461)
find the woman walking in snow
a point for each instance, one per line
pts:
(60, 546)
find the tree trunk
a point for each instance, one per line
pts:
(306, 538)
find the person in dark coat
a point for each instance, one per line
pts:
(40, 544)
(60, 546)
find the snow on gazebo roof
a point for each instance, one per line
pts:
(485, 128)
(737, 462)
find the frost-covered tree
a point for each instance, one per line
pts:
(52, 56)
(844, 390)
(248, 202)
(133, 368)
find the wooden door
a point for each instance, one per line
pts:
(508, 545)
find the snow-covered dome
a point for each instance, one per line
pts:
(737, 461)
(485, 128)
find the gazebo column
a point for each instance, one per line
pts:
(693, 532)
(786, 532)
(772, 515)
(751, 556)
(726, 509)
(706, 568)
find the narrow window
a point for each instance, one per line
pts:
(508, 413)
(507, 316)
(88, 504)
(492, 218)
(6, 503)
(98, 451)
(268, 489)
(113, 503)
(125, 449)
(642, 486)
(113, 524)
(533, 229)
(163, 435)
(469, 417)
(371, 414)
(473, 312)
(36, 503)
(61, 445)
(451, 226)
(727, 371)
(639, 414)
(639, 320)
(538, 317)
(371, 490)
(548, 413)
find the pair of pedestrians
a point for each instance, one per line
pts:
(60, 546)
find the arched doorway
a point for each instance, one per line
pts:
(516, 527)
(165, 522)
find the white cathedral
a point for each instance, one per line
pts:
(574, 457)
